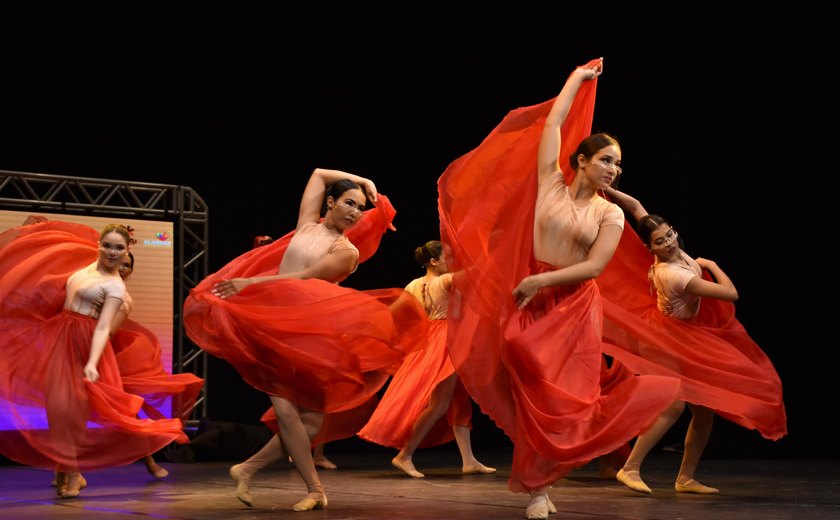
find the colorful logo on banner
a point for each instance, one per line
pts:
(161, 240)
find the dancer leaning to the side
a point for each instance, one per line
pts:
(278, 315)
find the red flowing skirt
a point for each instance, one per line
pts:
(720, 366)
(56, 417)
(535, 373)
(138, 357)
(409, 392)
(325, 347)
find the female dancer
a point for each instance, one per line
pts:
(138, 356)
(426, 387)
(690, 332)
(58, 370)
(295, 334)
(532, 361)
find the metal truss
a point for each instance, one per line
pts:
(107, 197)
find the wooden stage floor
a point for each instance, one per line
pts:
(365, 486)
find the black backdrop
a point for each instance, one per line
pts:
(728, 122)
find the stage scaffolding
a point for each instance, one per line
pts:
(180, 205)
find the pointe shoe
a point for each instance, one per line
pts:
(552, 510)
(157, 471)
(538, 508)
(636, 484)
(692, 486)
(309, 504)
(408, 469)
(243, 484)
(74, 486)
(479, 469)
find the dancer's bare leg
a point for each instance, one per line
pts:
(438, 404)
(297, 441)
(629, 475)
(699, 431)
(67, 429)
(321, 459)
(470, 465)
(242, 473)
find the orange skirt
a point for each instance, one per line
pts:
(409, 392)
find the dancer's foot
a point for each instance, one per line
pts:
(552, 510)
(156, 470)
(692, 486)
(407, 466)
(61, 479)
(243, 484)
(538, 507)
(323, 462)
(74, 485)
(633, 480)
(477, 469)
(312, 501)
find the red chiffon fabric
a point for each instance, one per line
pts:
(409, 392)
(59, 418)
(719, 364)
(138, 355)
(325, 347)
(535, 373)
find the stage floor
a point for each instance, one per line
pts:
(365, 486)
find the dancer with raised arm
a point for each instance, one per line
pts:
(530, 234)
(278, 315)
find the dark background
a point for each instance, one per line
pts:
(728, 124)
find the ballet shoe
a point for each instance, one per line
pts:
(325, 463)
(538, 508)
(479, 469)
(552, 510)
(309, 503)
(636, 484)
(74, 486)
(243, 484)
(409, 470)
(692, 486)
(157, 471)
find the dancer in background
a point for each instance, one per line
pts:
(689, 331)
(297, 335)
(59, 381)
(528, 239)
(138, 355)
(425, 404)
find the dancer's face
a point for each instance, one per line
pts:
(439, 264)
(125, 268)
(604, 167)
(663, 242)
(112, 249)
(347, 208)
